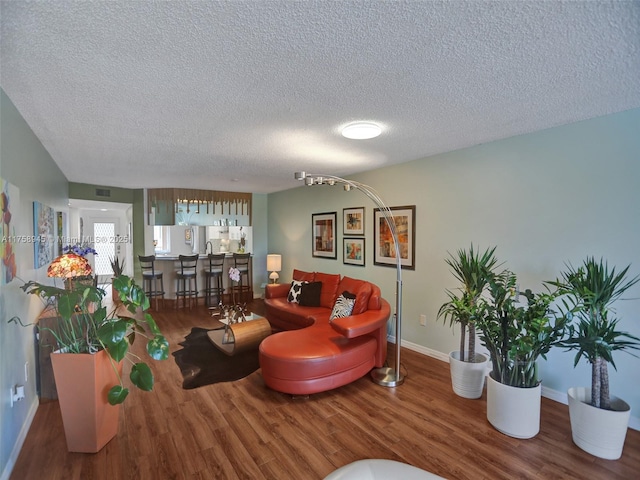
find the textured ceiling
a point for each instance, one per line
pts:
(237, 95)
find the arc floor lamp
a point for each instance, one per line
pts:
(385, 376)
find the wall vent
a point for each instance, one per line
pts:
(103, 192)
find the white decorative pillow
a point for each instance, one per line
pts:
(294, 291)
(343, 306)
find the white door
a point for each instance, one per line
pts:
(106, 236)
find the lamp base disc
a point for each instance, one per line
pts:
(387, 377)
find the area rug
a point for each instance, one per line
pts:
(201, 363)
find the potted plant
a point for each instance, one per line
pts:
(473, 270)
(598, 420)
(516, 335)
(117, 267)
(91, 346)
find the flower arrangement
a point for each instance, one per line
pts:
(243, 241)
(81, 249)
(234, 274)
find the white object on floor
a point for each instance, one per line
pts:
(374, 469)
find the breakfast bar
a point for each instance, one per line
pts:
(169, 264)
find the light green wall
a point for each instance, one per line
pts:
(86, 191)
(543, 199)
(25, 163)
(260, 228)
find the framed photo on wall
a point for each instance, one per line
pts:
(353, 251)
(44, 231)
(323, 227)
(384, 251)
(353, 221)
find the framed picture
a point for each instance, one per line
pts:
(61, 230)
(353, 221)
(44, 231)
(353, 251)
(9, 262)
(324, 234)
(384, 249)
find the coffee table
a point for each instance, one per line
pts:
(244, 335)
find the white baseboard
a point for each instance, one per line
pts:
(560, 397)
(11, 461)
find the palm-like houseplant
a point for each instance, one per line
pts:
(516, 336)
(473, 269)
(591, 290)
(117, 266)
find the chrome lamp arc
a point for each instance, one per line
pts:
(385, 376)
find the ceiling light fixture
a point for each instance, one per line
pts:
(361, 130)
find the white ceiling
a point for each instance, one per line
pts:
(237, 95)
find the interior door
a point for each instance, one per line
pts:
(107, 242)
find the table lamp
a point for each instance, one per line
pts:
(274, 265)
(68, 266)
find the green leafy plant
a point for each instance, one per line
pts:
(116, 265)
(85, 327)
(517, 335)
(591, 290)
(474, 271)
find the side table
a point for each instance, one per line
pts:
(46, 343)
(244, 335)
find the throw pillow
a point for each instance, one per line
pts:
(343, 306)
(294, 291)
(310, 294)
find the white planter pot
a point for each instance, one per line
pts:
(514, 411)
(467, 378)
(596, 431)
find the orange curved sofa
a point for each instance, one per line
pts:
(311, 354)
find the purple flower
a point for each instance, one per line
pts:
(82, 250)
(234, 274)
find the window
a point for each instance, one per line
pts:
(161, 239)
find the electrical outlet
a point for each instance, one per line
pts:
(16, 394)
(423, 320)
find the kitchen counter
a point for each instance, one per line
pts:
(201, 256)
(169, 264)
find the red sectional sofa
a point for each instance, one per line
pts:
(312, 354)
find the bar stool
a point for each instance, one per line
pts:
(241, 261)
(184, 277)
(150, 278)
(213, 277)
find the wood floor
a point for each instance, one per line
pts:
(244, 430)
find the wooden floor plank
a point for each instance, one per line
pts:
(242, 430)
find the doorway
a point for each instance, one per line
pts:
(104, 236)
(107, 227)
